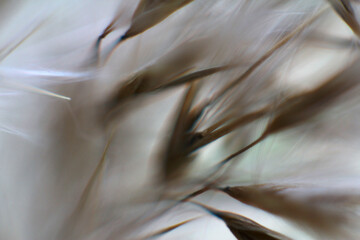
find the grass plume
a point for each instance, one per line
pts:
(245, 109)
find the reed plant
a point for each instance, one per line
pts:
(179, 119)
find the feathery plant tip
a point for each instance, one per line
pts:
(179, 119)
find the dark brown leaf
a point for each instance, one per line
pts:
(244, 228)
(177, 155)
(148, 14)
(151, 12)
(303, 212)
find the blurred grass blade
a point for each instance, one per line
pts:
(244, 228)
(346, 12)
(148, 14)
(109, 28)
(90, 190)
(302, 107)
(210, 136)
(176, 156)
(168, 71)
(37, 90)
(168, 229)
(7, 50)
(191, 77)
(151, 12)
(303, 212)
(266, 56)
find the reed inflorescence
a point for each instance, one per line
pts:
(179, 119)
